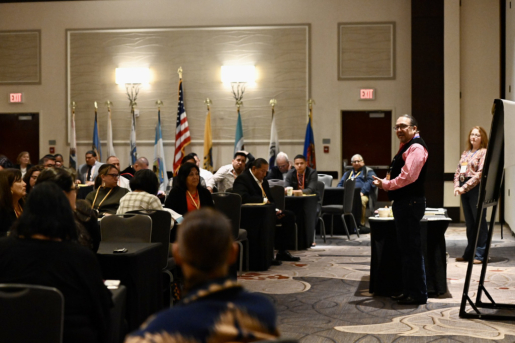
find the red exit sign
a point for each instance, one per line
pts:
(15, 98)
(367, 94)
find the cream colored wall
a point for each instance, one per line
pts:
(331, 95)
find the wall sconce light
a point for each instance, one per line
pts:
(238, 76)
(132, 78)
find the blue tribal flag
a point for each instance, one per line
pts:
(96, 140)
(238, 141)
(133, 151)
(309, 144)
(159, 157)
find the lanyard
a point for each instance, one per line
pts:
(98, 190)
(353, 177)
(194, 202)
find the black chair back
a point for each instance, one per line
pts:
(161, 223)
(230, 205)
(348, 195)
(320, 194)
(133, 229)
(278, 194)
(275, 182)
(30, 313)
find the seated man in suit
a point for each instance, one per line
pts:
(364, 178)
(281, 168)
(253, 188)
(215, 308)
(303, 179)
(88, 171)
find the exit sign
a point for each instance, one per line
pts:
(367, 94)
(15, 98)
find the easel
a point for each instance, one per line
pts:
(489, 193)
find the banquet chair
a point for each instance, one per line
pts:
(230, 205)
(30, 313)
(345, 209)
(280, 203)
(320, 193)
(161, 230)
(120, 229)
(326, 179)
(276, 182)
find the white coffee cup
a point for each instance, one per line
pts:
(289, 191)
(383, 212)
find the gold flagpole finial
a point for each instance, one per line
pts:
(273, 102)
(311, 102)
(108, 103)
(96, 106)
(159, 103)
(179, 71)
(73, 105)
(208, 102)
(239, 103)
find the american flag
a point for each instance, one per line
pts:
(182, 131)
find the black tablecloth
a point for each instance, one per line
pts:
(385, 263)
(305, 209)
(334, 196)
(118, 328)
(259, 221)
(139, 270)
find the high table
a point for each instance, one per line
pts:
(259, 221)
(305, 209)
(139, 270)
(334, 196)
(385, 263)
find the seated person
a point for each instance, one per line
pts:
(205, 174)
(12, 193)
(122, 181)
(187, 194)
(364, 178)
(225, 175)
(254, 188)
(303, 179)
(145, 186)
(5, 163)
(106, 198)
(281, 168)
(215, 308)
(88, 230)
(31, 176)
(42, 250)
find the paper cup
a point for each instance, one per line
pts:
(384, 212)
(289, 191)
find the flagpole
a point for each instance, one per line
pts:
(73, 141)
(208, 140)
(273, 148)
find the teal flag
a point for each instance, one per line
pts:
(238, 142)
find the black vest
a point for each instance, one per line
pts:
(413, 189)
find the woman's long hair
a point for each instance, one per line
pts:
(7, 178)
(180, 180)
(47, 212)
(28, 175)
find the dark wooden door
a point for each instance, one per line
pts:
(19, 132)
(368, 133)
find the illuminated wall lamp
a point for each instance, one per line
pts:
(132, 78)
(238, 76)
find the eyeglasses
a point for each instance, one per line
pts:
(114, 175)
(402, 127)
(356, 161)
(475, 135)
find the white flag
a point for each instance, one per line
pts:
(159, 157)
(274, 143)
(110, 147)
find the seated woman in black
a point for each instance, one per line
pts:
(42, 250)
(106, 198)
(187, 194)
(12, 192)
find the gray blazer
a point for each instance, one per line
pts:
(82, 172)
(310, 180)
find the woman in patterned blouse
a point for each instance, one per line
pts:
(466, 184)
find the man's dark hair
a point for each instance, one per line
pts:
(188, 157)
(59, 176)
(412, 119)
(47, 157)
(210, 253)
(145, 180)
(58, 155)
(258, 162)
(239, 153)
(91, 152)
(46, 212)
(302, 157)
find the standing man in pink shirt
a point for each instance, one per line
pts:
(405, 186)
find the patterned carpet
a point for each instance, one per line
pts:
(324, 297)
